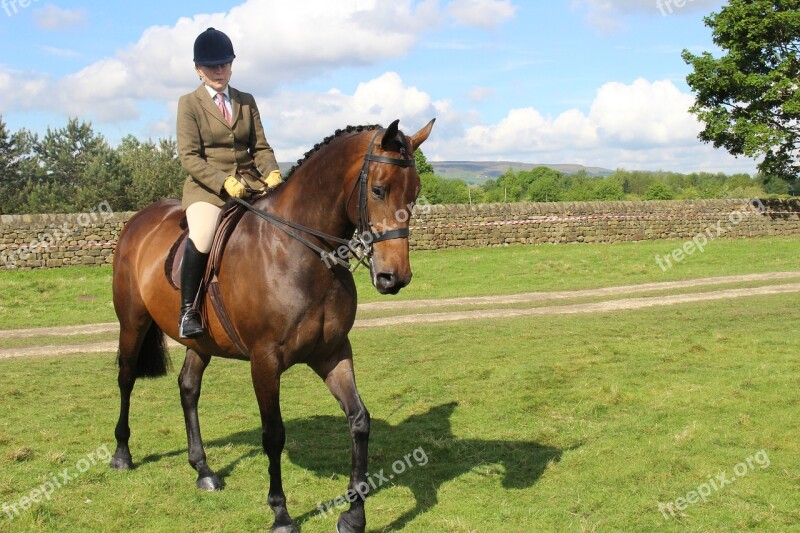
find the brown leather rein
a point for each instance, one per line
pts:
(360, 246)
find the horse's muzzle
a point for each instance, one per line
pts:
(390, 283)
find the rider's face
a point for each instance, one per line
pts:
(216, 77)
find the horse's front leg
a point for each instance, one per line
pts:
(267, 384)
(340, 378)
(190, 380)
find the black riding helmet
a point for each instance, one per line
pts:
(212, 47)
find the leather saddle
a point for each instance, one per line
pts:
(230, 216)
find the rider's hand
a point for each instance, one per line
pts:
(233, 187)
(274, 179)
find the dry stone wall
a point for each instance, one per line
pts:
(46, 241)
(458, 226)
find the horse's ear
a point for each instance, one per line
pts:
(419, 137)
(390, 135)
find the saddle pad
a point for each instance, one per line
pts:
(172, 267)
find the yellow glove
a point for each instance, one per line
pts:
(274, 179)
(233, 187)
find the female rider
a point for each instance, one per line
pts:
(221, 144)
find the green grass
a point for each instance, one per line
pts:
(41, 297)
(62, 296)
(564, 423)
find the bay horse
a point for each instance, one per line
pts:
(288, 304)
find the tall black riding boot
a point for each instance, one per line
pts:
(190, 323)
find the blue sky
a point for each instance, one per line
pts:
(594, 82)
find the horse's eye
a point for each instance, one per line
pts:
(378, 192)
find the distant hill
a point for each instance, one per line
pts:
(476, 172)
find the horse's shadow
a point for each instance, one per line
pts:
(421, 453)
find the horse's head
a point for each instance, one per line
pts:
(389, 186)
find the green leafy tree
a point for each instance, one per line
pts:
(438, 190)
(423, 167)
(580, 188)
(154, 170)
(543, 184)
(748, 98)
(103, 180)
(609, 188)
(66, 154)
(18, 165)
(774, 185)
(659, 191)
(508, 187)
(634, 183)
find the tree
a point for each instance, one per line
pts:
(659, 191)
(154, 171)
(748, 98)
(423, 167)
(580, 188)
(66, 155)
(609, 188)
(634, 182)
(438, 190)
(18, 165)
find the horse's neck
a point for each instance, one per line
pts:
(314, 196)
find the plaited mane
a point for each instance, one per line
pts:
(338, 133)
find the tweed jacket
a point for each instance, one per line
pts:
(210, 150)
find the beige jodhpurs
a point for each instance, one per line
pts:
(202, 218)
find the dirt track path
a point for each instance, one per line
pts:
(625, 304)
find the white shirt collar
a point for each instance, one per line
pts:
(213, 93)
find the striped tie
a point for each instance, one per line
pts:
(223, 109)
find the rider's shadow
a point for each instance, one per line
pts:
(421, 453)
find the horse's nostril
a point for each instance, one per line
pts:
(386, 279)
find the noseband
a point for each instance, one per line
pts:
(361, 244)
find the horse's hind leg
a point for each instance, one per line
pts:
(142, 353)
(190, 380)
(340, 378)
(131, 339)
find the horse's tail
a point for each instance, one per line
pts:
(153, 360)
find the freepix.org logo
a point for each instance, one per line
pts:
(55, 481)
(12, 7)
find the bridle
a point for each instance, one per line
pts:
(360, 246)
(366, 235)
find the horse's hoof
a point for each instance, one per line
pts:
(121, 463)
(209, 483)
(342, 526)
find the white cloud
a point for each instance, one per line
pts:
(642, 125)
(638, 125)
(50, 17)
(487, 14)
(295, 121)
(299, 43)
(644, 114)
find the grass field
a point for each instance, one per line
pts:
(42, 297)
(558, 423)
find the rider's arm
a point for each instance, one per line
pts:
(259, 147)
